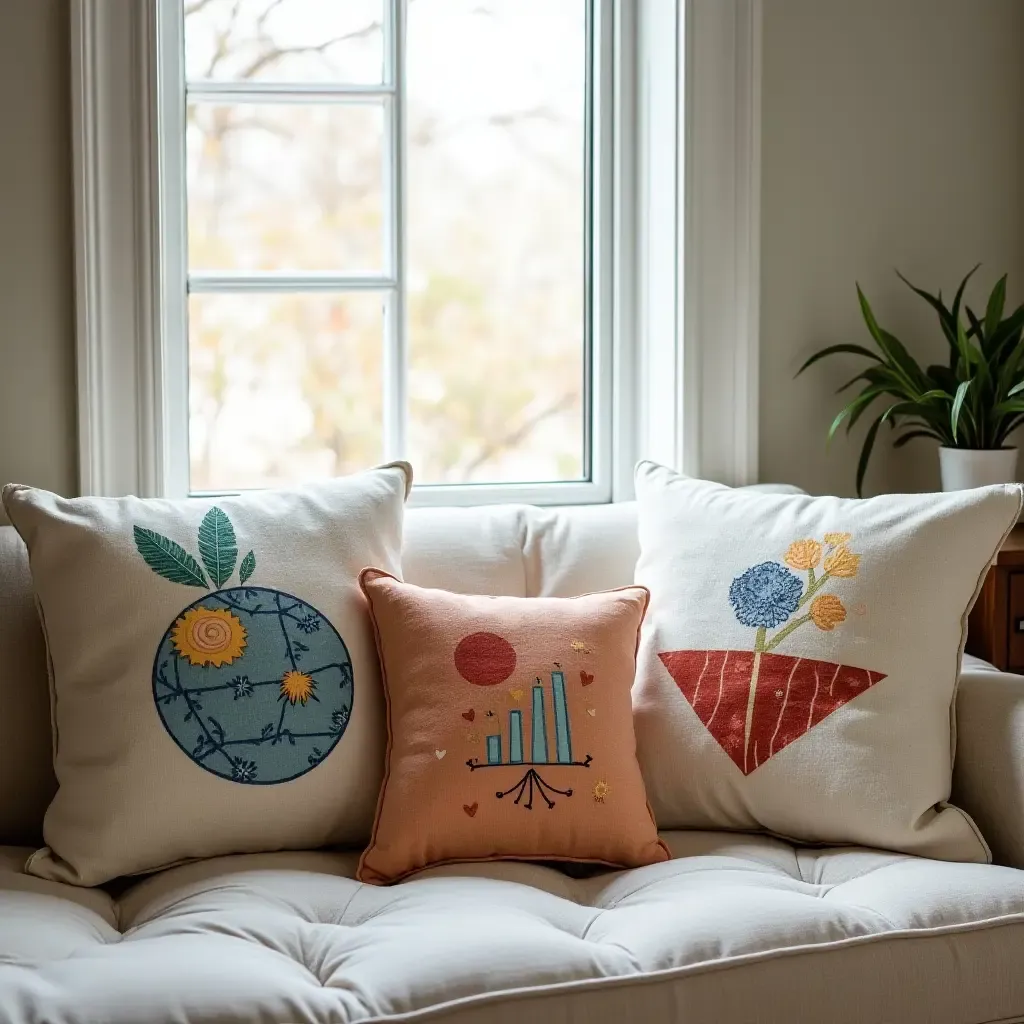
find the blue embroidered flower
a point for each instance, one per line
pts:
(242, 686)
(765, 595)
(309, 623)
(339, 719)
(243, 771)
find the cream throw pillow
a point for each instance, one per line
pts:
(799, 660)
(214, 681)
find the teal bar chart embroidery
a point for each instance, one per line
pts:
(515, 737)
(494, 749)
(563, 737)
(540, 726)
(532, 784)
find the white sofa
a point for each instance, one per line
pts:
(735, 928)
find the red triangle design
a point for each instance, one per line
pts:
(791, 697)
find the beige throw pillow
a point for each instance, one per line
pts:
(799, 660)
(214, 681)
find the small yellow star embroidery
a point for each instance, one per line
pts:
(579, 647)
(601, 790)
(515, 695)
(778, 693)
(473, 736)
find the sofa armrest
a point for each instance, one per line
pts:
(988, 773)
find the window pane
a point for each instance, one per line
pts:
(285, 187)
(338, 41)
(283, 388)
(496, 171)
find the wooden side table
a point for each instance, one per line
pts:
(995, 629)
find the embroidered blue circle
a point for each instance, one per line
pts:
(253, 684)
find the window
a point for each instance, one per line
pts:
(313, 234)
(392, 212)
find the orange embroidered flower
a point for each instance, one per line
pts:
(601, 790)
(209, 636)
(842, 562)
(297, 687)
(833, 540)
(803, 554)
(827, 612)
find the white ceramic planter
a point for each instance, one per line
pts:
(963, 468)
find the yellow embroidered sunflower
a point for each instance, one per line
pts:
(803, 554)
(833, 540)
(209, 636)
(842, 562)
(827, 612)
(601, 790)
(297, 687)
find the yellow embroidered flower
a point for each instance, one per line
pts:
(803, 554)
(297, 687)
(209, 636)
(601, 790)
(827, 612)
(833, 540)
(842, 562)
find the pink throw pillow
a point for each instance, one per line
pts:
(510, 730)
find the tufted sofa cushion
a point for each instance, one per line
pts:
(735, 928)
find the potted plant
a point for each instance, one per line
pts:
(970, 404)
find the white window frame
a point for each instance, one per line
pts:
(674, 340)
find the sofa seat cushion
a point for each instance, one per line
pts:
(733, 928)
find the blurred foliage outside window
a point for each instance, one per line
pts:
(286, 386)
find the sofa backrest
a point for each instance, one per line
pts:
(515, 550)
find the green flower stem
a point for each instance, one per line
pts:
(813, 586)
(751, 701)
(759, 639)
(810, 577)
(783, 633)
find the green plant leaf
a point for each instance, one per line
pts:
(911, 434)
(865, 454)
(218, 546)
(247, 568)
(859, 350)
(935, 301)
(1015, 389)
(954, 310)
(168, 559)
(854, 410)
(994, 309)
(1003, 408)
(958, 403)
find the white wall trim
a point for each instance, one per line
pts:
(720, 283)
(687, 251)
(698, 235)
(111, 65)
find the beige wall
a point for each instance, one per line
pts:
(893, 134)
(892, 137)
(37, 386)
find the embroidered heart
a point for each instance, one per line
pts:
(470, 809)
(753, 716)
(439, 754)
(469, 715)
(586, 678)
(516, 695)
(591, 712)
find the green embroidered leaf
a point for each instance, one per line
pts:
(248, 567)
(168, 559)
(218, 546)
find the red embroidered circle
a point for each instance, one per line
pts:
(485, 659)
